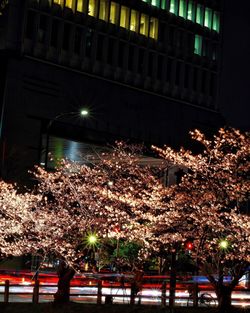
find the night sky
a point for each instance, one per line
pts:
(235, 88)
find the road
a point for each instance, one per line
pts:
(84, 289)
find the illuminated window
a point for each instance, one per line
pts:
(114, 7)
(80, 6)
(153, 28)
(134, 21)
(163, 4)
(200, 14)
(92, 8)
(173, 6)
(183, 8)
(69, 4)
(60, 2)
(216, 22)
(155, 3)
(124, 17)
(104, 10)
(144, 25)
(198, 44)
(191, 11)
(208, 18)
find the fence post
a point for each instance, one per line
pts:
(6, 291)
(163, 293)
(99, 292)
(133, 293)
(36, 292)
(195, 295)
(172, 283)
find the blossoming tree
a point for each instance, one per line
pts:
(207, 207)
(114, 192)
(16, 221)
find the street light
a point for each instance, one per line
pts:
(83, 113)
(223, 244)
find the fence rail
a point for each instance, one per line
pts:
(125, 293)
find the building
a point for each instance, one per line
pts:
(147, 70)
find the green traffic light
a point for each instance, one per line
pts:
(223, 244)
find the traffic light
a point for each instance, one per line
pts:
(189, 246)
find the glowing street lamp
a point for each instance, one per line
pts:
(92, 239)
(223, 244)
(82, 113)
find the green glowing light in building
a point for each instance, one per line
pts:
(198, 44)
(200, 14)
(183, 9)
(216, 22)
(208, 18)
(190, 11)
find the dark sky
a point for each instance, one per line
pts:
(235, 88)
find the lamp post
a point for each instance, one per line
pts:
(82, 113)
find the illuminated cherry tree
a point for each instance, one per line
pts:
(110, 196)
(16, 221)
(207, 208)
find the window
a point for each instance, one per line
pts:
(54, 33)
(169, 69)
(80, 6)
(153, 28)
(160, 66)
(122, 48)
(151, 61)
(197, 44)
(200, 14)
(141, 61)
(113, 12)
(216, 22)
(99, 50)
(30, 24)
(131, 53)
(111, 48)
(177, 73)
(134, 21)
(208, 18)
(60, 2)
(163, 4)
(155, 3)
(69, 4)
(186, 76)
(66, 36)
(183, 8)
(144, 25)
(78, 40)
(103, 10)
(191, 11)
(92, 8)
(89, 40)
(124, 17)
(173, 6)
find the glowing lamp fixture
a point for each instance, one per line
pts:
(92, 239)
(223, 244)
(84, 112)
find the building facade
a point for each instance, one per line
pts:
(146, 70)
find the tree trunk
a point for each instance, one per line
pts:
(224, 294)
(65, 274)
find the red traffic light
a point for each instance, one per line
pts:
(189, 245)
